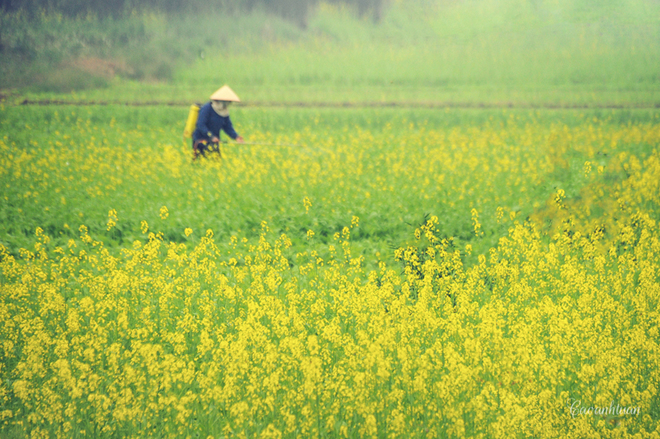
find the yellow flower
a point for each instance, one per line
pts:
(559, 198)
(307, 203)
(112, 219)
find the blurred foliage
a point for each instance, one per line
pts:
(294, 10)
(496, 51)
(142, 40)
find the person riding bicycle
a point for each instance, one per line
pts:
(213, 117)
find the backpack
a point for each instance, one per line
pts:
(191, 122)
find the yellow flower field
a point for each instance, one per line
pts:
(525, 304)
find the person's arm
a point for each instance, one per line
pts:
(228, 128)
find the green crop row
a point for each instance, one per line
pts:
(303, 170)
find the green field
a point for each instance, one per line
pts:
(444, 224)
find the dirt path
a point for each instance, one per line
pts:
(430, 105)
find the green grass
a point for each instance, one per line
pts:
(67, 166)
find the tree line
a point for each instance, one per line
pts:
(293, 10)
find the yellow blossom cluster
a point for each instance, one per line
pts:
(165, 340)
(252, 297)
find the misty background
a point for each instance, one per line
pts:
(414, 51)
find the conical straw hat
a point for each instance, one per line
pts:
(225, 93)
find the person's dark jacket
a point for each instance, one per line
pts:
(209, 124)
